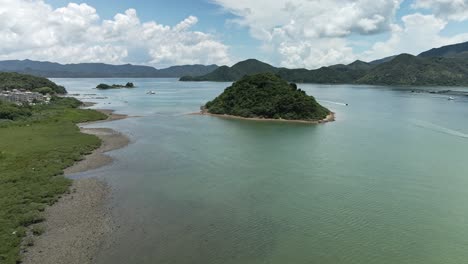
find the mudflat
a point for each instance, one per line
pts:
(76, 226)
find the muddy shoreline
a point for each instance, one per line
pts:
(77, 225)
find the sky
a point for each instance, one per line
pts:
(288, 33)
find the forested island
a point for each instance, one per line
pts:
(267, 96)
(104, 86)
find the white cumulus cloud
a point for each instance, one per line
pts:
(418, 33)
(311, 33)
(75, 33)
(448, 9)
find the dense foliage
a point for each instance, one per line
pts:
(12, 80)
(34, 150)
(104, 86)
(266, 96)
(12, 111)
(44, 90)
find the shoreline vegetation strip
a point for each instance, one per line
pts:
(34, 150)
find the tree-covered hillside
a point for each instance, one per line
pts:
(12, 80)
(459, 50)
(234, 73)
(442, 66)
(101, 70)
(336, 74)
(407, 69)
(333, 74)
(403, 69)
(267, 96)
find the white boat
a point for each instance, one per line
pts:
(151, 92)
(451, 98)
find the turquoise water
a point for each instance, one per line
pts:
(386, 183)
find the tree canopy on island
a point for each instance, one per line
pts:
(267, 96)
(13, 80)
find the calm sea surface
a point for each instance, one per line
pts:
(386, 183)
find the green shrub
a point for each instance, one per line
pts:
(67, 102)
(30, 218)
(37, 230)
(103, 86)
(13, 112)
(45, 90)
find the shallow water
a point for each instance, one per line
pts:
(386, 183)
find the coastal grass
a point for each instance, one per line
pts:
(33, 153)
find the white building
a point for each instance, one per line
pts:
(21, 97)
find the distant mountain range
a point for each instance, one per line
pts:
(451, 51)
(333, 74)
(100, 70)
(445, 66)
(407, 69)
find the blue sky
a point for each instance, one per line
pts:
(291, 33)
(212, 18)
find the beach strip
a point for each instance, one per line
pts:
(329, 118)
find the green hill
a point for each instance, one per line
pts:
(266, 96)
(336, 74)
(234, 73)
(403, 69)
(100, 70)
(407, 69)
(12, 80)
(332, 74)
(356, 65)
(459, 50)
(383, 60)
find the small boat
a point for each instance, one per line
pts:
(451, 98)
(151, 92)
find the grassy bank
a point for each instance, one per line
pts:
(34, 150)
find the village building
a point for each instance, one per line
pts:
(22, 97)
